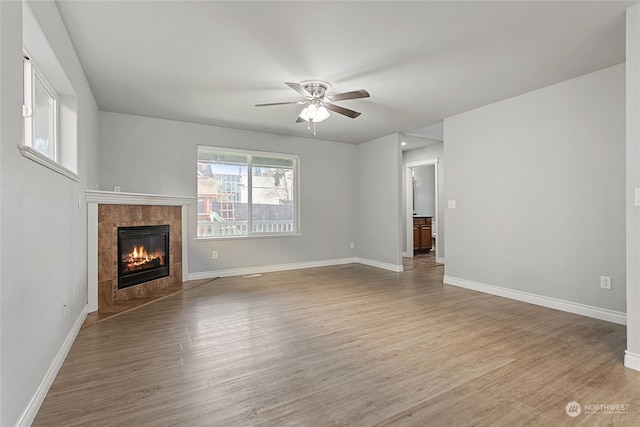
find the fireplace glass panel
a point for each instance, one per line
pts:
(143, 254)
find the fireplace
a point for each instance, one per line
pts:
(143, 254)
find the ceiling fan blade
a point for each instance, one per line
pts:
(343, 111)
(349, 95)
(298, 88)
(280, 103)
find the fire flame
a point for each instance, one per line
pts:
(139, 257)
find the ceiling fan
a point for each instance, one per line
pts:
(317, 103)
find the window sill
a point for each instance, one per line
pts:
(253, 236)
(45, 161)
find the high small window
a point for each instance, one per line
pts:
(40, 112)
(50, 103)
(246, 193)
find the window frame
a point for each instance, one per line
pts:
(295, 158)
(32, 74)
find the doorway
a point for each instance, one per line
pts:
(421, 179)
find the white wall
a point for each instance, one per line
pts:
(632, 356)
(379, 202)
(144, 155)
(539, 184)
(42, 230)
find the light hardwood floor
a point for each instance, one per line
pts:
(343, 345)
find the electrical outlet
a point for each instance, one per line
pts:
(214, 255)
(605, 282)
(352, 245)
(451, 204)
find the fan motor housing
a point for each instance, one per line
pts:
(316, 88)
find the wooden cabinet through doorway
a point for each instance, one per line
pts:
(421, 234)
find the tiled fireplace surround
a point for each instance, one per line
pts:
(109, 210)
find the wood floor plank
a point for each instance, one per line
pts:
(342, 345)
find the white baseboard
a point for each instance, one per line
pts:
(632, 360)
(440, 260)
(568, 306)
(269, 268)
(293, 266)
(379, 264)
(30, 412)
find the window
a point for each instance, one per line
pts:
(50, 103)
(246, 193)
(40, 112)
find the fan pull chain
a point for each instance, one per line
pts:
(309, 126)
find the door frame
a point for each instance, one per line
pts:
(408, 209)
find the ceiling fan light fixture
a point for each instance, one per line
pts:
(311, 111)
(317, 103)
(314, 113)
(321, 114)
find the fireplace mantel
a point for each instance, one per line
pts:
(118, 198)
(95, 198)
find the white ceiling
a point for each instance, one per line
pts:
(211, 61)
